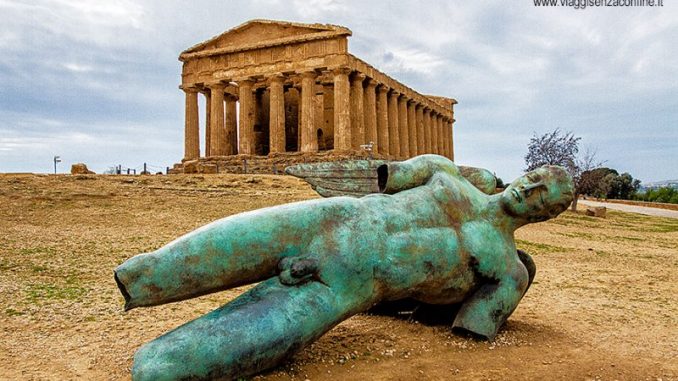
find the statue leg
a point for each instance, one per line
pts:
(240, 249)
(254, 332)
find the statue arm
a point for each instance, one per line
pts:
(489, 307)
(480, 178)
(399, 176)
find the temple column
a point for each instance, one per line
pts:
(446, 138)
(276, 122)
(357, 111)
(231, 125)
(403, 132)
(309, 138)
(342, 110)
(319, 107)
(382, 120)
(393, 125)
(435, 148)
(246, 124)
(427, 129)
(191, 126)
(370, 109)
(421, 136)
(441, 136)
(451, 137)
(412, 127)
(208, 126)
(434, 132)
(217, 131)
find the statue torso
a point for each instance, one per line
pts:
(438, 242)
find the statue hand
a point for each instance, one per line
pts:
(297, 270)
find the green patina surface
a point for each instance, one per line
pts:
(431, 235)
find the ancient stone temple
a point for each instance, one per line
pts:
(281, 93)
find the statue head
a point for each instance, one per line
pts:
(539, 195)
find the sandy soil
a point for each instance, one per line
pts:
(603, 305)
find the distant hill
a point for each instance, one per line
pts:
(660, 184)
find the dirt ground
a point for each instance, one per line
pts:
(603, 304)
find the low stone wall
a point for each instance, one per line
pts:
(271, 164)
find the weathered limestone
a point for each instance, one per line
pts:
(382, 120)
(80, 169)
(342, 122)
(370, 109)
(231, 125)
(357, 111)
(434, 132)
(403, 132)
(596, 211)
(246, 124)
(450, 136)
(393, 124)
(319, 107)
(277, 114)
(412, 126)
(208, 124)
(427, 131)
(445, 139)
(218, 135)
(421, 136)
(261, 121)
(298, 89)
(309, 138)
(192, 127)
(441, 136)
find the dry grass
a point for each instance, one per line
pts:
(603, 304)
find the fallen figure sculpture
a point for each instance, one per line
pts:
(430, 235)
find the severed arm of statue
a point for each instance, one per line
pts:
(395, 177)
(359, 178)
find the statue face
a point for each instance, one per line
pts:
(539, 195)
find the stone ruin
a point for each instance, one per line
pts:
(279, 93)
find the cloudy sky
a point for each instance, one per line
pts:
(96, 81)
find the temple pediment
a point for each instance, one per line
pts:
(258, 33)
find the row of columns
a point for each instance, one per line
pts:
(364, 111)
(401, 127)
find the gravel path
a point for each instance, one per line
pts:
(633, 208)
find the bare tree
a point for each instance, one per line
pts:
(552, 148)
(583, 174)
(562, 148)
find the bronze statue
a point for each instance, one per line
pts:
(430, 235)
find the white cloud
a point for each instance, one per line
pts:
(311, 8)
(78, 68)
(401, 60)
(603, 73)
(77, 20)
